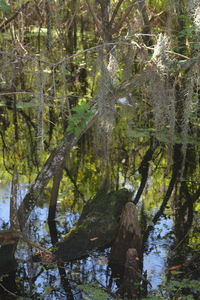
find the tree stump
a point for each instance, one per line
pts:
(125, 253)
(131, 279)
(129, 235)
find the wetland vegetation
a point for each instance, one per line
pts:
(99, 149)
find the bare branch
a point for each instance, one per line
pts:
(147, 25)
(12, 294)
(186, 65)
(6, 22)
(144, 169)
(115, 11)
(127, 12)
(96, 19)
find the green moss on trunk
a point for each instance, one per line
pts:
(96, 228)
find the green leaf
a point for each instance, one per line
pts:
(4, 7)
(78, 121)
(21, 104)
(93, 292)
(140, 132)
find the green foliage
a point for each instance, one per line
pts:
(4, 7)
(93, 292)
(153, 298)
(176, 285)
(173, 290)
(78, 120)
(162, 135)
(22, 104)
(141, 132)
(158, 5)
(72, 34)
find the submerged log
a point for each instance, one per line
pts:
(97, 227)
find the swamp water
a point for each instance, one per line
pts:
(46, 281)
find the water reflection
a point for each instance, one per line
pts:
(4, 203)
(46, 279)
(159, 243)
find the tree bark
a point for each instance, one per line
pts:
(51, 166)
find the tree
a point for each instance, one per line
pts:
(113, 87)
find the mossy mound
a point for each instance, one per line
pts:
(96, 228)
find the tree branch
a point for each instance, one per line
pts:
(53, 163)
(6, 22)
(178, 159)
(96, 19)
(115, 11)
(144, 169)
(127, 12)
(75, 185)
(147, 26)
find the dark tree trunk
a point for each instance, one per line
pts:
(126, 252)
(54, 194)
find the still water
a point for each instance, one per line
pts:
(46, 279)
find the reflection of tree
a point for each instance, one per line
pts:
(61, 267)
(144, 169)
(8, 278)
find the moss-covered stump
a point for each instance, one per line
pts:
(97, 227)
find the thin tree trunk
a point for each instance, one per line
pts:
(54, 194)
(51, 166)
(144, 170)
